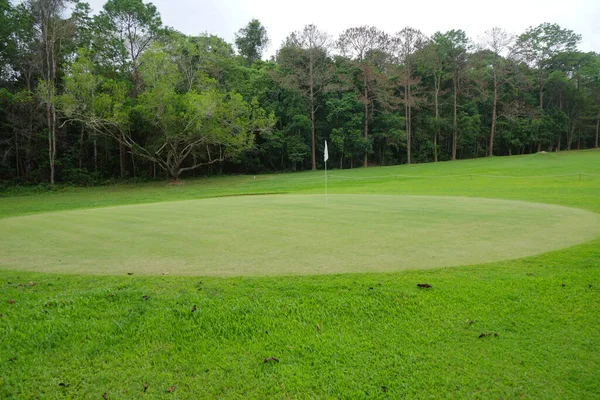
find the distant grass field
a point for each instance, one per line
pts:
(374, 335)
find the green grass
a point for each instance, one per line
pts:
(80, 336)
(569, 179)
(290, 235)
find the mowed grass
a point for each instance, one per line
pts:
(373, 335)
(290, 235)
(569, 178)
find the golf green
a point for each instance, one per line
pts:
(290, 235)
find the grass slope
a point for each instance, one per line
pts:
(569, 179)
(380, 336)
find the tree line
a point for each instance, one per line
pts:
(88, 98)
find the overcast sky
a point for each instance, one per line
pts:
(224, 17)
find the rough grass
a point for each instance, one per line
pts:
(380, 335)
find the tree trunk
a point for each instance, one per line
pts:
(95, 156)
(570, 137)
(579, 136)
(133, 164)
(50, 146)
(437, 116)
(494, 106)
(407, 113)
(122, 156)
(17, 154)
(455, 120)
(53, 142)
(50, 74)
(366, 124)
(81, 148)
(312, 120)
(135, 80)
(312, 114)
(541, 93)
(28, 150)
(597, 126)
(135, 76)
(435, 153)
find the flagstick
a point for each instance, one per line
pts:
(325, 183)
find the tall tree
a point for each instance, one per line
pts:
(306, 68)
(251, 41)
(591, 73)
(538, 46)
(406, 44)
(127, 28)
(431, 63)
(498, 42)
(52, 30)
(362, 45)
(7, 27)
(454, 45)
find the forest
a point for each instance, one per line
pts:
(87, 99)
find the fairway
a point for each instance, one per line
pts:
(290, 235)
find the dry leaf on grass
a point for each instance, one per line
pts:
(486, 334)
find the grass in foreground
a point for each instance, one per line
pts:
(380, 336)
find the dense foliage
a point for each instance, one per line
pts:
(85, 98)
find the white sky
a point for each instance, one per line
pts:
(224, 17)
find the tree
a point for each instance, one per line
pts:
(202, 56)
(363, 44)
(126, 28)
(7, 47)
(407, 43)
(590, 73)
(497, 41)
(131, 26)
(252, 41)
(51, 29)
(538, 46)
(431, 62)
(453, 46)
(306, 68)
(74, 88)
(195, 128)
(344, 117)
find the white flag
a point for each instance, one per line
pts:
(326, 155)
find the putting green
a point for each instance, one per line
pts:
(289, 234)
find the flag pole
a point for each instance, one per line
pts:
(325, 183)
